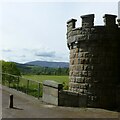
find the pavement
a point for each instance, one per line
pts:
(26, 106)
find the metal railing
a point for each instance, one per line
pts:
(27, 86)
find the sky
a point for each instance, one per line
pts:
(35, 30)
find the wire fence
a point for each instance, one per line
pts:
(30, 87)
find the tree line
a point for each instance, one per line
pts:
(20, 69)
(38, 70)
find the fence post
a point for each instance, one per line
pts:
(11, 101)
(38, 90)
(18, 83)
(27, 86)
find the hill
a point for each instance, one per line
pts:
(44, 68)
(49, 64)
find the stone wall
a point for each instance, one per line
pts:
(72, 99)
(54, 94)
(94, 60)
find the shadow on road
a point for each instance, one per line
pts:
(16, 108)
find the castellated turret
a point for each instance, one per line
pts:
(95, 60)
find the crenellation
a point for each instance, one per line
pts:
(118, 20)
(71, 24)
(87, 20)
(110, 20)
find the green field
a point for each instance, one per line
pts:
(41, 78)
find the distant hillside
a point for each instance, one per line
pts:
(44, 68)
(24, 68)
(49, 64)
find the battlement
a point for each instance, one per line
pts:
(89, 31)
(118, 22)
(109, 20)
(88, 21)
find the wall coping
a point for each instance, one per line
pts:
(52, 84)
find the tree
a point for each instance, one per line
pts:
(9, 70)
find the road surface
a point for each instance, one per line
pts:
(26, 106)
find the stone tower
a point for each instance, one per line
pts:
(95, 60)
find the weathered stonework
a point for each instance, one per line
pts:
(95, 60)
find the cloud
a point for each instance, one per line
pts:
(24, 55)
(45, 54)
(6, 50)
(119, 9)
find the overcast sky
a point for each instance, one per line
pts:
(37, 31)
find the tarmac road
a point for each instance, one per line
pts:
(26, 106)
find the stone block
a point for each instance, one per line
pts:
(81, 54)
(74, 32)
(87, 79)
(86, 54)
(72, 99)
(76, 61)
(89, 73)
(50, 99)
(71, 61)
(81, 50)
(76, 56)
(82, 61)
(50, 91)
(84, 73)
(80, 79)
(77, 50)
(85, 67)
(68, 98)
(82, 100)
